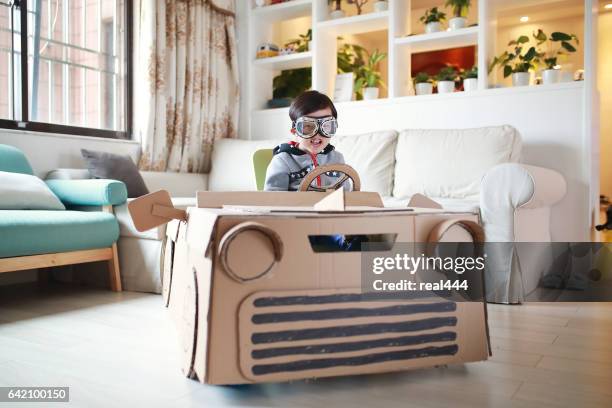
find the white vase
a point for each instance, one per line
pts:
(423, 88)
(337, 14)
(433, 27)
(310, 45)
(470, 84)
(446, 87)
(260, 3)
(521, 78)
(381, 5)
(551, 76)
(457, 23)
(370, 93)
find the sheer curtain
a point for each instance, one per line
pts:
(186, 91)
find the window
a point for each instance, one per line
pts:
(75, 62)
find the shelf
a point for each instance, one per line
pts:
(356, 24)
(283, 11)
(283, 62)
(441, 40)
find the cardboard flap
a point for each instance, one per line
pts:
(153, 210)
(200, 230)
(210, 199)
(421, 201)
(332, 202)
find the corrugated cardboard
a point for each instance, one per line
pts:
(260, 317)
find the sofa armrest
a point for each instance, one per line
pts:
(93, 192)
(511, 187)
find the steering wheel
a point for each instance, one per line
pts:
(347, 173)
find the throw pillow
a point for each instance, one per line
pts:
(104, 165)
(26, 192)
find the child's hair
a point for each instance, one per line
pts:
(308, 102)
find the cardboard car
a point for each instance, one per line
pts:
(254, 300)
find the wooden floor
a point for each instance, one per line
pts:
(119, 350)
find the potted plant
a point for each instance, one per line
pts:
(422, 84)
(368, 76)
(381, 5)
(337, 12)
(518, 62)
(358, 4)
(470, 79)
(301, 44)
(446, 80)
(558, 45)
(460, 11)
(433, 19)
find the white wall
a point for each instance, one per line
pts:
(604, 83)
(550, 120)
(48, 151)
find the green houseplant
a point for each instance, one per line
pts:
(301, 44)
(423, 84)
(446, 79)
(470, 79)
(518, 62)
(433, 19)
(369, 77)
(460, 10)
(552, 48)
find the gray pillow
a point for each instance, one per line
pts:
(104, 165)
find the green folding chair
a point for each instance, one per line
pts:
(261, 160)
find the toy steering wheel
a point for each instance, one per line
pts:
(347, 173)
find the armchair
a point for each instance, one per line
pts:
(32, 239)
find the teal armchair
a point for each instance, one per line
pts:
(32, 239)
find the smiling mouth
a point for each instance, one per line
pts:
(316, 142)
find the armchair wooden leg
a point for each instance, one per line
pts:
(114, 272)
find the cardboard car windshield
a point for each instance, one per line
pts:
(256, 300)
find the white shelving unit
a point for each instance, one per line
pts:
(396, 22)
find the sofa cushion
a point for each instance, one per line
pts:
(26, 192)
(232, 164)
(111, 166)
(31, 232)
(13, 160)
(373, 156)
(451, 163)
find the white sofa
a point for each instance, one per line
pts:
(468, 169)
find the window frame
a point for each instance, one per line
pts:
(26, 125)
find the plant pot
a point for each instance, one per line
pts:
(381, 5)
(310, 45)
(457, 23)
(260, 3)
(521, 78)
(423, 88)
(370, 93)
(446, 87)
(337, 14)
(433, 27)
(470, 84)
(551, 76)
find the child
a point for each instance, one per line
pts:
(313, 123)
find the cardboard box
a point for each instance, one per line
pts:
(253, 301)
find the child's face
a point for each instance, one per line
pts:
(317, 143)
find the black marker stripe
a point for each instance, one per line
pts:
(344, 298)
(354, 330)
(354, 346)
(302, 365)
(396, 310)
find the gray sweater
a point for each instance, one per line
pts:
(290, 165)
